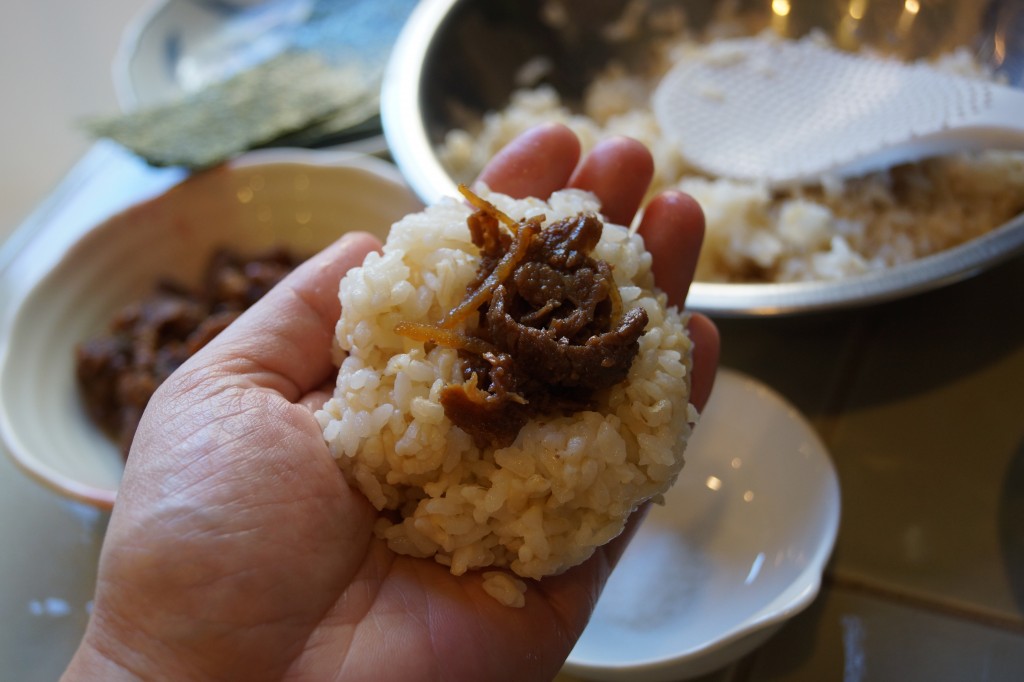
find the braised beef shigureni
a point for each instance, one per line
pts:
(118, 371)
(550, 330)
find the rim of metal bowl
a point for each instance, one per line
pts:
(411, 149)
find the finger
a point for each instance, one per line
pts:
(619, 171)
(706, 349)
(673, 229)
(535, 164)
(315, 399)
(284, 340)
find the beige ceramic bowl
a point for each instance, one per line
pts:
(302, 199)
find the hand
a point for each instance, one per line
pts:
(236, 549)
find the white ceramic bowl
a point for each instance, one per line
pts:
(738, 548)
(302, 199)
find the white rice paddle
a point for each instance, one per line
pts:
(790, 112)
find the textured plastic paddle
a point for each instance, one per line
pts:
(787, 112)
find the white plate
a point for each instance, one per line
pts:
(738, 548)
(303, 199)
(176, 47)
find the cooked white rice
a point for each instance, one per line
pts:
(827, 232)
(568, 483)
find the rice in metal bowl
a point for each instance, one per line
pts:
(567, 483)
(829, 231)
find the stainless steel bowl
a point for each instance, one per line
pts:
(459, 58)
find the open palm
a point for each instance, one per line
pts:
(237, 550)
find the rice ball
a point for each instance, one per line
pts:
(565, 482)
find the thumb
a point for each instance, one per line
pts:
(284, 341)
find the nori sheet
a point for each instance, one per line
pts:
(292, 92)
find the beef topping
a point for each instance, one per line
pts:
(548, 333)
(118, 372)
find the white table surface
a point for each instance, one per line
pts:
(55, 69)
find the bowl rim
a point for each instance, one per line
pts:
(399, 104)
(12, 442)
(409, 142)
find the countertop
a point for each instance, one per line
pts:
(920, 402)
(55, 70)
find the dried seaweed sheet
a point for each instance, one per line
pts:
(290, 92)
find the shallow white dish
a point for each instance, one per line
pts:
(304, 199)
(175, 47)
(738, 548)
